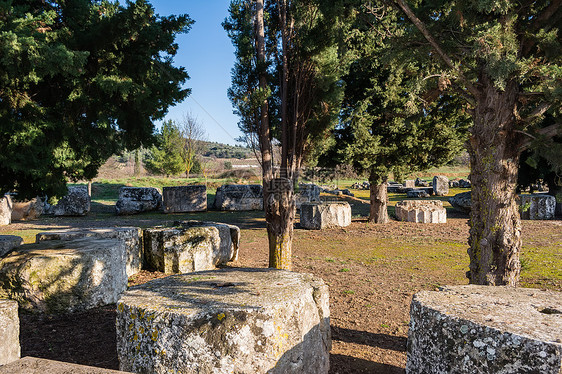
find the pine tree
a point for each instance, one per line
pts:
(166, 157)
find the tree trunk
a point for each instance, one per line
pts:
(280, 216)
(378, 212)
(495, 224)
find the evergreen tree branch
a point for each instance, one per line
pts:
(547, 132)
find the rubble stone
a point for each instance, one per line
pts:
(537, 206)
(318, 216)
(422, 211)
(75, 203)
(239, 197)
(184, 199)
(485, 329)
(9, 332)
(8, 243)
(440, 185)
(130, 236)
(134, 200)
(226, 321)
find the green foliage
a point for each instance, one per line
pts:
(220, 150)
(228, 165)
(79, 81)
(166, 157)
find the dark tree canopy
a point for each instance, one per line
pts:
(79, 81)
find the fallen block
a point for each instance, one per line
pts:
(8, 243)
(422, 211)
(537, 206)
(239, 197)
(318, 216)
(9, 332)
(135, 200)
(184, 199)
(75, 203)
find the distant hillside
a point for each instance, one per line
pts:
(219, 150)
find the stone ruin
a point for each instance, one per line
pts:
(416, 193)
(239, 197)
(461, 201)
(229, 235)
(75, 203)
(485, 329)
(537, 206)
(134, 200)
(410, 183)
(307, 193)
(5, 210)
(59, 276)
(33, 365)
(189, 247)
(9, 332)
(440, 185)
(226, 321)
(130, 236)
(8, 243)
(184, 199)
(27, 210)
(393, 187)
(318, 216)
(422, 211)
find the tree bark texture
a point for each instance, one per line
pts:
(280, 211)
(378, 208)
(495, 223)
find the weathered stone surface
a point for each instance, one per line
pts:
(9, 242)
(9, 332)
(395, 188)
(307, 193)
(464, 183)
(537, 206)
(64, 275)
(461, 201)
(5, 210)
(187, 249)
(229, 235)
(27, 210)
(226, 321)
(318, 216)
(239, 197)
(134, 200)
(422, 211)
(32, 365)
(417, 193)
(130, 236)
(485, 329)
(453, 184)
(410, 183)
(183, 199)
(440, 185)
(75, 203)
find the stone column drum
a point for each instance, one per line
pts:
(422, 211)
(226, 321)
(318, 216)
(9, 332)
(184, 199)
(485, 329)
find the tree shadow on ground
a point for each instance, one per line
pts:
(384, 341)
(342, 364)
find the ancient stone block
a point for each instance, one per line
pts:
(422, 211)
(130, 236)
(27, 210)
(410, 183)
(64, 275)
(226, 321)
(239, 197)
(464, 183)
(5, 210)
(9, 242)
(229, 235)
(187, 249)
(32, 365)
(440, 185)
(183, 199)
(75, 203)
(307, 193)
(134, 200)
(9, 332)
(485, 329)
(395, 188)
(417, 193)
(318, 216)
(537, 206)
(461, 201)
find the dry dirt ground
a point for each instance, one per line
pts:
(372, 271)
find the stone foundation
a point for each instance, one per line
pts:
(131, 237)
(485, 329)
(537, 206)
(422, 211)
(135, 200)
(32, 365)
(184, 199)
(9, 332)
(226, 321)
(58, 276)
(318, 216)
(8, 243)
(239, 197)
(75, 203)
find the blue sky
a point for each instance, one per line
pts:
(208, 55)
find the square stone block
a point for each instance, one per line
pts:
(184, 199)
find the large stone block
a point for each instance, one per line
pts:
(229, 235)
(307, 193)
(422, 211)
(57, 276)
(75, 203)
(184, 199)
(410, 183)
(5, 210)
(440, 185)
(461, 201)
(226, 321)
(27, 210)
(32, 365)
(8, 243)
(537, 206)
(417, 193)
(130, 236)
(239, 197)
(187, 249)
(9, 332)
(318, 216)
(134, 200)
(485, 329)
